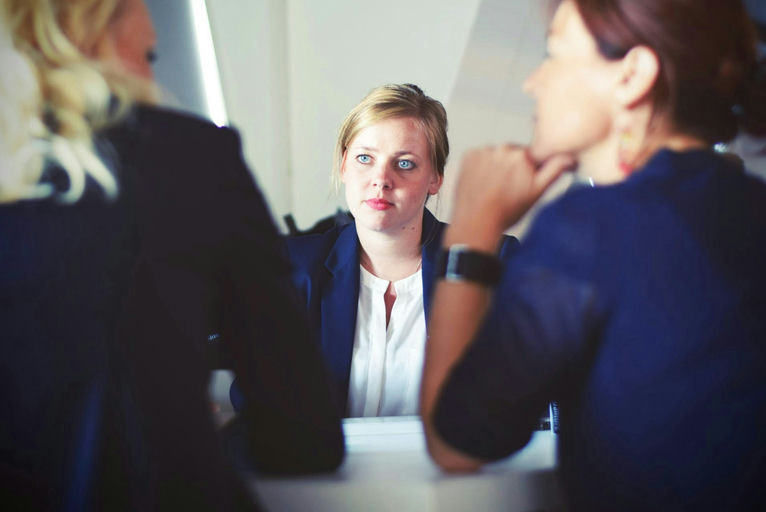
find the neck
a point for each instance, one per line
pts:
(601, 162)
(675, 142)
(391, 256)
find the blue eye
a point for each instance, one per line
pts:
(363, 159)
(406, 164)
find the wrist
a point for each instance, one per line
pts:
(476, 236)
(458, 262)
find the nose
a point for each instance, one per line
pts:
(531, 82)
(382, 176)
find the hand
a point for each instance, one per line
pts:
(499, 184)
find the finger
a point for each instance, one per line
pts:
(551, 170)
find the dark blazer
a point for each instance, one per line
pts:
(105, 309)
(639, 306)
(326, 274)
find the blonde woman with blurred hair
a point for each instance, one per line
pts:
(128, 234)
(367, 285)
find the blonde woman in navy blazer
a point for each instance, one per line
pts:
(390, 157)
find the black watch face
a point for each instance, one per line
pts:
(461, 264)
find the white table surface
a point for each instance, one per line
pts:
(387, 469)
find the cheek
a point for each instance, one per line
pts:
(131, 44)
(573, 114)
(351, 188)
(582, 125)
(417, 194)
(134, 60)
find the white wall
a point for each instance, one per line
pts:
(338, 51)
(292, 69)
(487, 104)
(250, 39)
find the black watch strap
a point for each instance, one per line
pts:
(459, 263)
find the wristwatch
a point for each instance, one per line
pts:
(459, 263)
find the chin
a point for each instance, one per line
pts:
(372, 222)
(539, 152)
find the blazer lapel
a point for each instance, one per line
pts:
(339, 305)
(431, 238)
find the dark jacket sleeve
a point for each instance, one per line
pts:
(212, 256)
(290, 411)
(532, 340)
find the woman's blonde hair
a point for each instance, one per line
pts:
(395, 100)
(55, 95)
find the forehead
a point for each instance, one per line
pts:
(568, 30)
(401, 133)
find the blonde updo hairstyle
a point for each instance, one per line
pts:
(56, 93)
(395, 100)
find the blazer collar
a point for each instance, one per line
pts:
(431, 239)
(345, 250)
(339, 304)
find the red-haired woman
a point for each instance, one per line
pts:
(639, 303)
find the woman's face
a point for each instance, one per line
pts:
(388, 174)
(131, 39)
(572, 90)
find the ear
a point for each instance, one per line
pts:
(638, 73)
(436, 183)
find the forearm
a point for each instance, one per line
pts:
(456, 315)
(497, 186)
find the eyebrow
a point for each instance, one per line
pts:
(374, 149)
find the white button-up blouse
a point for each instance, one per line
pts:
(387, 363)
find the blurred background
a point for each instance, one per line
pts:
(286, 72)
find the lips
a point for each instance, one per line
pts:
(378, 204)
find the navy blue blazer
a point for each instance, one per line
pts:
(105, 309)
(326, 274)
(639, 307)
